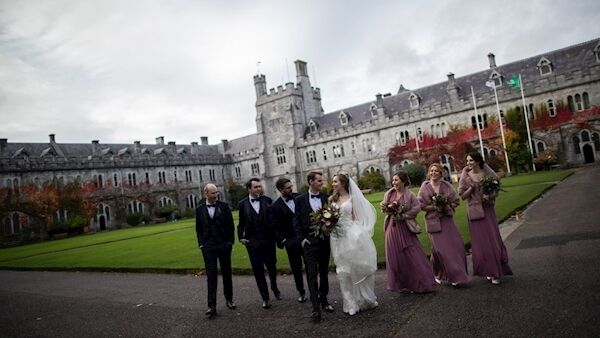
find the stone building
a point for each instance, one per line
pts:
(295, 136)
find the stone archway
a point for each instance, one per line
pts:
(102, 222)
(588, 153)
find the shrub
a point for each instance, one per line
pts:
(373, 180)
(134, 219)
(415, 172)
(165, 211)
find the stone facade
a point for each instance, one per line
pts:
(294, 136)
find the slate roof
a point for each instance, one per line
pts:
(84, 150)
(564, 61)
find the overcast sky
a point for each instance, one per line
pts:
(120, 71)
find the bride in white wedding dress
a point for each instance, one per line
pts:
(352, 246)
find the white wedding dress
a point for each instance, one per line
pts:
(354, 253)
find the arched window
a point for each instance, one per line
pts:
(312, 126)
(586, 101)
(191, 201)
(578, 103)
(164, 201)
(576, 147)
(571, 103)
(545, 66)
(497, 78)
(414, 100)
(135, 207)
(585, 136)
(343, 118)
(493, 153)
(551, 108)
(540, 147)
(373, 110)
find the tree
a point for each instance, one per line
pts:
(516, 141)
(416, 173)
(236, 192)
(372, 180)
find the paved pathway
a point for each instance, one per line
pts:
(554, 293)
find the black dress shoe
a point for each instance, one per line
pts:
(327, 307)
(266, 304)
(230, 304)
(315, 315)
(211, 312)
(277, 295)
(302, 298)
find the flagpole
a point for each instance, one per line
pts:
(501, 129)
(416, 138)
(477, 122)
(527, 122)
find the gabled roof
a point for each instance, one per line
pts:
(564, 61)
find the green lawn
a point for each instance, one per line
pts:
(173, 246)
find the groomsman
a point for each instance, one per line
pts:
(282, 216)
(316, 250)
(257, 234)
(215, 233)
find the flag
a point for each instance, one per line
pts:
(514, 82)
(490, 83)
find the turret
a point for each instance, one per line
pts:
(260, 85)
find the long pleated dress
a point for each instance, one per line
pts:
(406, 263)
(448, 254)
(490, 258)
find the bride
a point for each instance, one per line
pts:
(352, 248)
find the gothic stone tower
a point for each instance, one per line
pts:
(281, 119)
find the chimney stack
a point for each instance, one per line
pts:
(160, 140)
(492, 59)
(95, 144)
(3, 142)
(204, 140)
(136, 147)
(379, 100)
(225, 144)
(52, 138)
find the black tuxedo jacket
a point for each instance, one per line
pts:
(224, 220)
(302, 217)
(283, 220)
(247, 229)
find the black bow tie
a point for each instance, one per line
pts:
(314, 196)
(288, 199)
(255, 199)
(210, 205)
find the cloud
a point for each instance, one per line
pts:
(123, 71)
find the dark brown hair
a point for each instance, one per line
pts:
(281, 182)
(249, 183)
(403, 176)
(312, 175)
(476, 156)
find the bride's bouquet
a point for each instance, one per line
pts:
(395, 210)
(324, 221)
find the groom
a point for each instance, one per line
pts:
(316, 250)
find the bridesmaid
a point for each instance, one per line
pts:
(490, 258)
(448, 255)
(406, 263)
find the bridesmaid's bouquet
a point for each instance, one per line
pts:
(490, 185)
(489, 188)
(440, 201)
(394, 209)
(324, 221)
